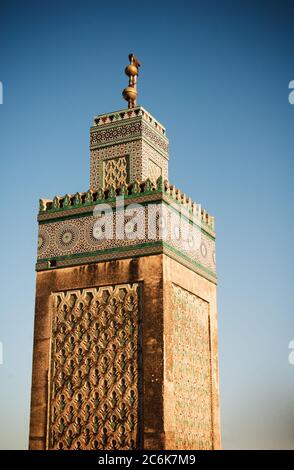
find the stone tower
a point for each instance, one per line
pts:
(125, 341)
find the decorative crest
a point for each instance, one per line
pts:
(132, 70)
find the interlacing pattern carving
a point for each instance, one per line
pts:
(191, 371)
(116, 172)
(149, 153)
(154, 171)
(155, 138)
(94, 377)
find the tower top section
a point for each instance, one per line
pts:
(130, 92)
(129, 159)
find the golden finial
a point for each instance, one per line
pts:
(130, 93)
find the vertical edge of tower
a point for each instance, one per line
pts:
(191, 377)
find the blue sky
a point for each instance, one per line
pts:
(216, 74)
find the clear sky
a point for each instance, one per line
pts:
(216, 74)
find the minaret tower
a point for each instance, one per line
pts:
(125, 341)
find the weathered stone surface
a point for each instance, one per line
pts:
(157, 275)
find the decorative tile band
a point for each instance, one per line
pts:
(125, 114)
(129, 131)
(125, 222)
(125, 225)
(130, 252)
(67, 203)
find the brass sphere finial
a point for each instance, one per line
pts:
(132, 70)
